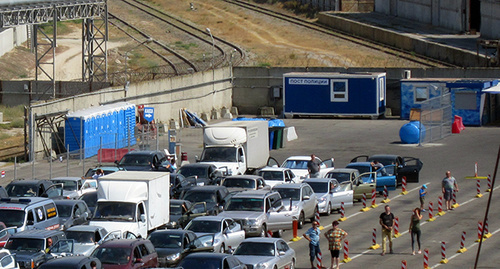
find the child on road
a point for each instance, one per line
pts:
(422, 192)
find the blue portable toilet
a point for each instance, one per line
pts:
(334, 94)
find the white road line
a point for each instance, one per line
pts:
(358, 213)
(471, 246)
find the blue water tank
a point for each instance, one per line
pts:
(410, 134)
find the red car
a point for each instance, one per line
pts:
(127, 253)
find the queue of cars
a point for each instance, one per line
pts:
(214, 213)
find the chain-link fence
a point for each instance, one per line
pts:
(435, 118)
(76, 163)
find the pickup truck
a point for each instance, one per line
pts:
(382, 177)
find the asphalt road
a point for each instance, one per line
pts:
(344, 139)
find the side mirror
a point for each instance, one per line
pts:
(306, 198)
(196, 158)
(282, 253)
(143, 218)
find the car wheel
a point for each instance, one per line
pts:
(222, 248)
(278, 234)
(301, 220)
(328, 209)
(263, 231)
(314, 214)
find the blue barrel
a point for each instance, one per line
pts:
(410, 134)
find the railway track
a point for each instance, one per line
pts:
(202, 35)
(410, 56)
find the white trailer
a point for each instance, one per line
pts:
(238, 145)
(133, 201)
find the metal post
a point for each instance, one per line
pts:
(128, 136)
(83, 160)
(15, 167)
(116, 144)
(157, 138)
(67, 161)
(81, 139)
(99, 156)
(34, 156)
(50, 161)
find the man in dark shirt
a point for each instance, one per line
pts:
(387, 222)
(313, 166)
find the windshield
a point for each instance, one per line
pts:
(295, 164)
(201, 172)
(271, 175)
(255, 249)
(245, 204)
(289, 193)
(362, 169)
(195, 197)
(112, 255)
(21, 190)
(26, 244)
(115, 211)
(319, 187)
(90, 199)
(12, 218)
(135, 160)
(204, 226)
(68, 185)
(340, 177)
(163, 240)
(219, 154)
(64, 210)
(80, 237)
(239, 183)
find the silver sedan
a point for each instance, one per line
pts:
(262, 253)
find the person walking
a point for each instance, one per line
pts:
(387, 222)
(335, 237)
(312, 235)
(415, 230)
(421, 194)
(449, 185)
(313, 166)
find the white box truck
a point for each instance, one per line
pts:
(241, 146)
(132, 201)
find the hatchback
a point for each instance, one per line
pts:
(127, 254)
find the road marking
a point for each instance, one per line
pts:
(358, 213)
(469, 247)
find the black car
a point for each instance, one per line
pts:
(72, 262)
(211, 260)
(31, 246)
(408, 167)
(182, 211)
(33, 188)
(215, 197)
(72, 212)
(144, 161)
(201, 171)
(179, 183)
(173, 245)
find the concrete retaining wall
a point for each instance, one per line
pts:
(490, 19)
(199, 92)
(12, 37)
(423, 47)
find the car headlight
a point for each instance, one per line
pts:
(251, 222)
(216, 241)
(173, 257)
(261, 266)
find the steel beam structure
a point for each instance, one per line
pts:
(94, 48)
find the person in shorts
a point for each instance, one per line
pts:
(335, 238)
(312, 235)
(449, 185)
(421, 194)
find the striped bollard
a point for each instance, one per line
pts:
(364, 209)
(462, 244)
(396, 228)
(342, 212)
(487, 234)
(386, 194)
(489, 184)
(455, 204)
(374, 195)
(403, 186)
(426, 259)
(346, 252)
(443, 253)
(478, 188)
(374, 240)
(431, 213)
(479, 230)
(318, 261)
(269, 234)
(403, 264)
(295, 228)
(440, 206)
